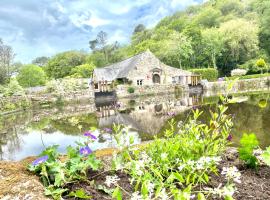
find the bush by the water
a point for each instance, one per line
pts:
(210, 74)
(131, 90)
(31, 76)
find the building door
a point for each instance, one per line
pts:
(156, 78)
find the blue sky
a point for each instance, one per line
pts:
(44, 27)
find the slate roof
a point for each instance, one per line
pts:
(117, 70)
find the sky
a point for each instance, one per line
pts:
(45, 27)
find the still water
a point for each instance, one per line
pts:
(28, 133)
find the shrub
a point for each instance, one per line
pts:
(82, 71)
(131, 90)
(238, 72)
(248, 144)
(13, 88)
(31, 76)
(66, 85)
(254, 66)
(179, 163)
(210, 74)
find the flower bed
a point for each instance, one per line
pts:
(189, 163)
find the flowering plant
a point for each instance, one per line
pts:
(171, 167)
(56, 171)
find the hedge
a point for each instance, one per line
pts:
(210, 74)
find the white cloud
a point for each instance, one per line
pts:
(96, 21)
(88, 18)
(119, 36)
(182, 3)
(42, 28)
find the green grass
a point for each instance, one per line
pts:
(249, 76)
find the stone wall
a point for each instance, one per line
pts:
(144, 70)
(122, 90)
(42, 100)
(245, 85)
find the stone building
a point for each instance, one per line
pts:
(142, 69)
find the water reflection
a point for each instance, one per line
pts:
(26, 134)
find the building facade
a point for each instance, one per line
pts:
(142, 69)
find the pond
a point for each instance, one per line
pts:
(28, 133)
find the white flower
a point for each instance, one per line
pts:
(163, 156)
(145, 158)
(181, 167)
(228, 190)
(163, 195)
(111, 180)
(231, 173)
(136, 196)
(151, 187)
(215, 191)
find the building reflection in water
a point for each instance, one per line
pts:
(145, 114)
(18, 137)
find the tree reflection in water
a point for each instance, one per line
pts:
(147, 116)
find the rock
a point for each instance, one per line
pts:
(231, 154)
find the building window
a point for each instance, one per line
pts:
(139, 82)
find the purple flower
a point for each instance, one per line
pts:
(89, 134)
(108, 130)
(40, 160)
(85, 151)
(171, 114)
(229, 138)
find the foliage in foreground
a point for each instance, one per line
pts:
(56, 172)
(177, 166)
(248, 144)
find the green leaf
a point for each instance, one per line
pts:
(79, 194)
(105, 189)
(266, 156)
(201, 196)
(144, 189)
(56, 193)
(179, 177)
(117, 194)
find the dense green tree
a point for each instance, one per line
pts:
(41, 61)
(262, 7)
(62, 64)
(83, 71)
(240, 43)
(31, 75)
(139, 28)
(213, 44)
(208, 17)
(176, 50)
